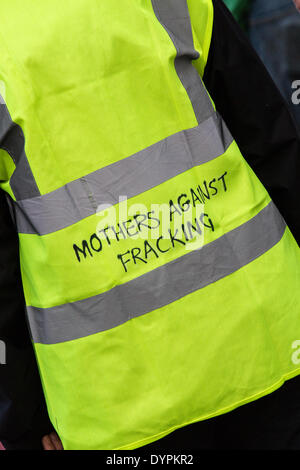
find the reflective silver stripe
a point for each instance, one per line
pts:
(12, 141)
(174, 17)
(128, 177)
(170, 282)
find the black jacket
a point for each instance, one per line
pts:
(260, 122)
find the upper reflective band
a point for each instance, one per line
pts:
(12, 141)
(170, 282)
(129, 177)
(175, 18)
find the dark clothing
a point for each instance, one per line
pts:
(270, 423)
(258, 118)
(23, 416)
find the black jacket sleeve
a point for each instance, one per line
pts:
(256, 114)
(23, 415)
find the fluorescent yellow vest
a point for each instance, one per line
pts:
(161, 283)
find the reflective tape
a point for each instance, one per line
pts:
(148, 168)
(170, 282)
(128, 177)
(12, 141)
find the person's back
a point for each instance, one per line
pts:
(161, 281)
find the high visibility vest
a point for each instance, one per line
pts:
(161, 282)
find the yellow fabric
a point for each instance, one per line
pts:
(90, 85)
(202, 16)
(201, 356)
